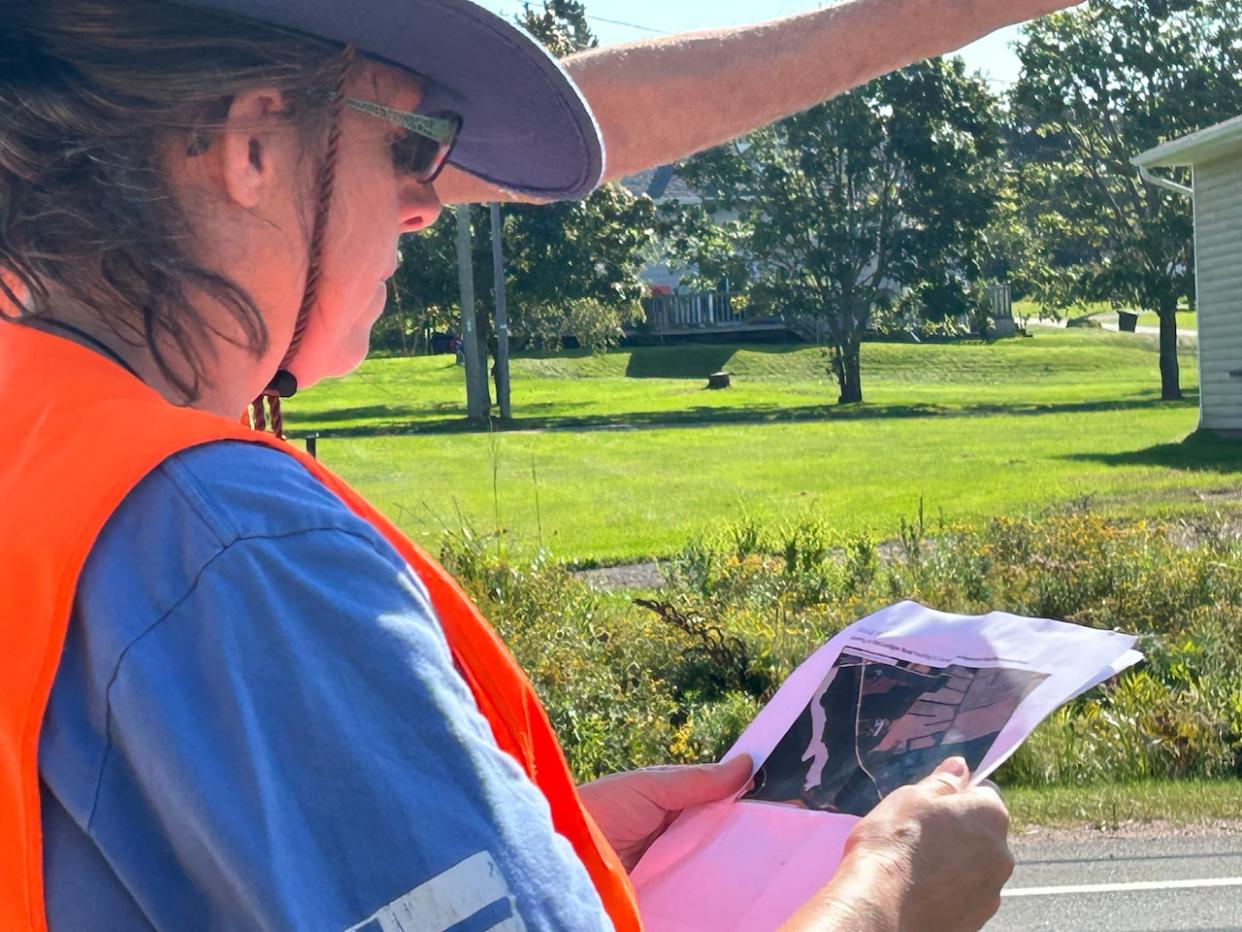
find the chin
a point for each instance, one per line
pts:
(344, 358)
(325, 354)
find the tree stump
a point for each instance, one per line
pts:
(719, 380)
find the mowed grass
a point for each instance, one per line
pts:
(1122, 805)
(1186, 320)
(626, 456)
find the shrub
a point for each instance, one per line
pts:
(678, 677)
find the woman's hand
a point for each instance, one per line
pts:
(633, 809)
(932, 856)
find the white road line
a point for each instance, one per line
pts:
(1126, 887)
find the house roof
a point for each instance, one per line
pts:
(661, 184)
(1200, 146)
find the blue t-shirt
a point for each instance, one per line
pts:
(257, 724)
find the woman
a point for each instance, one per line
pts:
(235, 696)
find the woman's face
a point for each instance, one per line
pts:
(372, 205)
(251, 196)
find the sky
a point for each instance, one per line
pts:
(616, 21)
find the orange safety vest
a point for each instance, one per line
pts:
(78, 434)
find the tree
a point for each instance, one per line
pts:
(877, 194)
(423, 295)
(572, 268)
(1099, 85)
(575, 266)
(561, 25)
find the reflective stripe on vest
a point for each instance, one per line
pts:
(78, 434)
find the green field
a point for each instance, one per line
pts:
(625, 456)
(1119, 805)
(1186, 320)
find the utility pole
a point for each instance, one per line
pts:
(478, 399)
(502, 315)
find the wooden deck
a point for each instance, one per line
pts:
(690, 314)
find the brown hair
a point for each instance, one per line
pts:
(90, 92)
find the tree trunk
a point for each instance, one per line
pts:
(849, 372)
(478, 405)
(394, 308)
(1170, 370)
(483, 327)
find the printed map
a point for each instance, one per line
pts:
(875, 725)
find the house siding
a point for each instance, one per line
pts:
(1218, 251)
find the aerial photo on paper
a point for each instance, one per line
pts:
(874, 725)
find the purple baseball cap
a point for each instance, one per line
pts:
(525, 124)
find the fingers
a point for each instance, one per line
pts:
(952, 776)
(955, 767)
(982, 805)
(710, 782)
(990, 787)
(676, 788)
(736, 772)
(989, 808)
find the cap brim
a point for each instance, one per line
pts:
(525, 125)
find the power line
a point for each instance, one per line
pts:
(618, 22)
(510, 11)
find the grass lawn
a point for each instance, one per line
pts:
(1186, 320)
(625, 456)
(1179, 802)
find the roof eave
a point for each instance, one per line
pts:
(1201, 146)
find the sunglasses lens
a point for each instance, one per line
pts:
(415, 155)
(420, 157)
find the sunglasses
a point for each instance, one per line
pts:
(424, 148)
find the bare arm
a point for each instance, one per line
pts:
(863, 897)
(661, 100)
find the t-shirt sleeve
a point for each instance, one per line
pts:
(293, 737)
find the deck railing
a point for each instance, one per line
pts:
(682, 313)
(707, 310)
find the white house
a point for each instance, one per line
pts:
(1215, 158)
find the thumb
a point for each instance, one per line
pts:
(675, 788)
(952, 776)
(732, 775)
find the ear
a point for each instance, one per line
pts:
(255, 147)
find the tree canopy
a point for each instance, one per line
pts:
(561, 25)
(572, 268)
(876, 197)
(1100, 84)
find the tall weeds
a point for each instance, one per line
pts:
(629, 686)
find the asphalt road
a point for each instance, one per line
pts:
(1104, 883)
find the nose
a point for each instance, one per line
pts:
(420, 206)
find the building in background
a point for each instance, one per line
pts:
(1214, 156)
